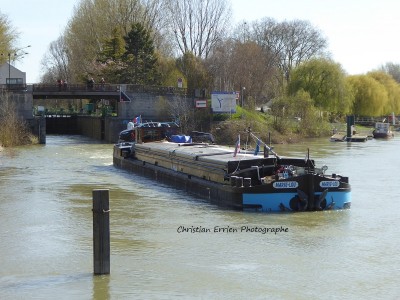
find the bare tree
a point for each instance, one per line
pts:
(218, 64)
(290, 42)
(155, 18)
(236, 65)
(197, 24)
(393, 70)
(55, 62)
(242, 32)
(181, 110)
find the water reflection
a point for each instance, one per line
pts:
(101, 287)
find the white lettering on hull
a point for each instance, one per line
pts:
(329, 184)
(285, 184)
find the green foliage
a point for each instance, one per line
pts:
(202, 119)
(13, 132)
(169, 72)
(393, 89)
(325, 82)
(370, 96)
(221, 117)
(297, 114)
(226, 132)
(109, 59)
(114, 47)
(194, 70)
(241, 113)
(8, 37)
(139, 57)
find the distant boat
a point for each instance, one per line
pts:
(382, 131)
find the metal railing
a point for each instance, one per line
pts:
(76, 87)
(154, 89)
(130, 88)
(13, 87)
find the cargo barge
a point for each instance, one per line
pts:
(242, 181)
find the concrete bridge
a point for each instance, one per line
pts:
(78, 91)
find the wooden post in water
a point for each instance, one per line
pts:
(101, 232)
(41, 123)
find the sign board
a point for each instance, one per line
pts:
(180, 83)
(201, 103)
(329, 184)
(223, 102)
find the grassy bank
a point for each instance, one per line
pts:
(267, 127)
(14, 131)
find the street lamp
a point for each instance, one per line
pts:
(242, 96)
(15, 52)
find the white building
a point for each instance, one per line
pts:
(11, 75)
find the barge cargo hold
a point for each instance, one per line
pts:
(268, 183)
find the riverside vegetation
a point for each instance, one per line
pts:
(14, 130)
(267, 127)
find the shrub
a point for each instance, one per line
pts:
(14, 131)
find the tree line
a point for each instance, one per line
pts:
(155, 42)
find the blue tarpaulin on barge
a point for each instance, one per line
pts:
(181, 139)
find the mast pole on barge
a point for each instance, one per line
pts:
(263, 143)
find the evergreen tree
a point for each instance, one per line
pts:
(140, 61)
(113, 48)
(109, 62)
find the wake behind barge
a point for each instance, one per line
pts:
(243, 182)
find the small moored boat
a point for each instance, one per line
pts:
(244, 181)
(382, 131)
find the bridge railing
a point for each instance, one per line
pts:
(76, 87)
(131, 88)
(13, 87)
(155, 89)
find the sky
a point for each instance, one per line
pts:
(362, 35)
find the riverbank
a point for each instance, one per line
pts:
(226, 132)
